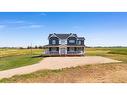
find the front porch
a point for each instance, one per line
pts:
(64, 51)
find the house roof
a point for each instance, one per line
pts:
(81, 38)
(62, 36)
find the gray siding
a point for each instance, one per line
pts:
(82, 42)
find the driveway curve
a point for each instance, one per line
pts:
(56, 63)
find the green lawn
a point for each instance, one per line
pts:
(17, 61)
(114, 53)
(119, 51)
(13, 58)
(104, 51)
(115, 72)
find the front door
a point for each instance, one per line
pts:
(63, 51)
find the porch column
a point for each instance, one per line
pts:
(75, 48)
(59, 50)
(65, 50)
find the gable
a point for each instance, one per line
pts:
(72, 35)
(63, 36)
(52, 35)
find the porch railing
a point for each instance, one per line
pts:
(51, 52)
(74, 52)
(68, 52)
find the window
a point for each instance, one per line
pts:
(79, 42)
(53, 41)
(71, 41)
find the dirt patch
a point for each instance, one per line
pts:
(56, 63)
(93, 73)
(63, 62)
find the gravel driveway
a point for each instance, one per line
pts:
(56, 63)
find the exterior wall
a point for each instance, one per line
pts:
(82, 42)
(54, 38)
(71, 38)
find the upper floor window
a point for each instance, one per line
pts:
(53, 41)
(71, 41)
(79, 42)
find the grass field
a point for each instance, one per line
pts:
(97, 73)
(13, 58)
(14, 52)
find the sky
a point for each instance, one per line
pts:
(21, 29)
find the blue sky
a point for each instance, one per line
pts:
(99, 29)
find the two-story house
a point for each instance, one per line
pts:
(65, 44)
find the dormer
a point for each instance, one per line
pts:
(53, 39)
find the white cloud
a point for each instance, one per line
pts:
(43, 14)
(31, 26)
(15, 21)
(20, 24)
(35, 26)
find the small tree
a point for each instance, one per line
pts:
(40, 47)
(20, 47)
(36, 47)
(29, 47)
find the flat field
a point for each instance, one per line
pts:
(94, 73)
(15, 52)
(13, 58)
